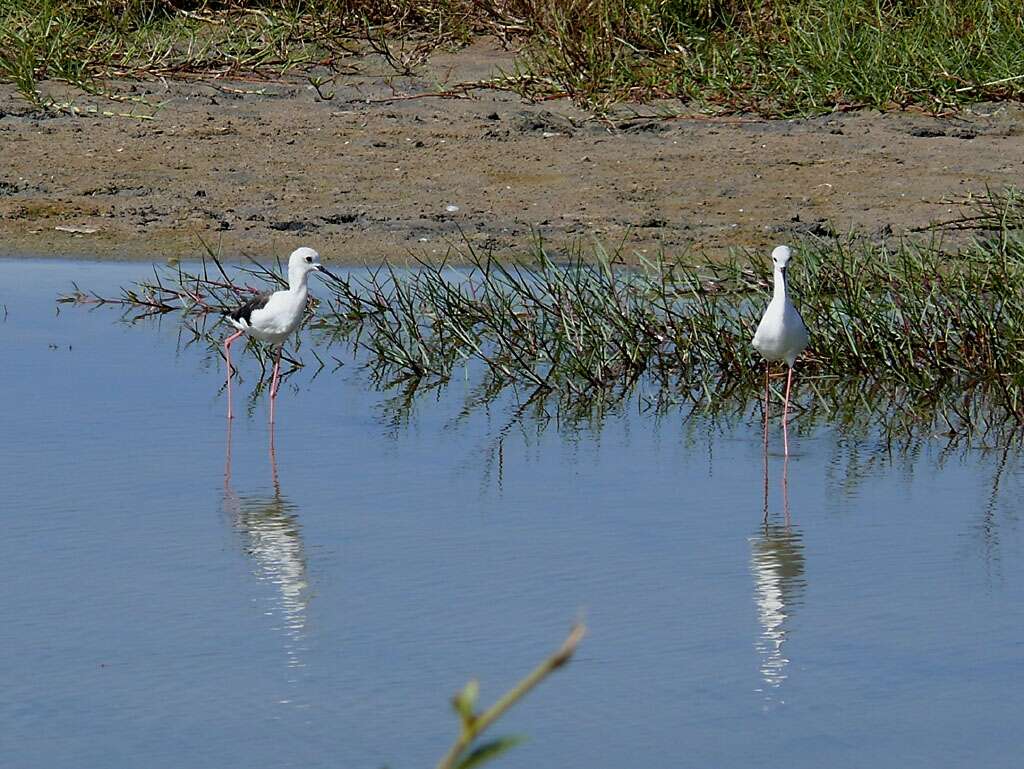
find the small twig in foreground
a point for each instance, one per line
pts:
(474, 724)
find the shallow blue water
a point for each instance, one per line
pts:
(158, 613)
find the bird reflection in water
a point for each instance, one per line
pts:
(273, 538)
(777, 565)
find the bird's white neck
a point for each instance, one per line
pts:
(297, 279)
(779, 294)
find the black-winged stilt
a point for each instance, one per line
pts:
(273, 317)
(781, 336)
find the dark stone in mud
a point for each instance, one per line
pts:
(647, 126)
(819, 228)
(936, 131)
(344, 218)
(115, 189)
(251, 214)
(293, 225)
(545, 120)
(927, 132)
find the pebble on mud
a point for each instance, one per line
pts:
(76, 229)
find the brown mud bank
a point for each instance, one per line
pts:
(385, 168)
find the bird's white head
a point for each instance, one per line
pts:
(302, 262)
(780, 257)
(304, 259)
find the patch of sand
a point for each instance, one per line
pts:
(259, 168)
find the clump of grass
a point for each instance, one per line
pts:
(780, 58)
(85, 42)
(910, 326)
(914, 331)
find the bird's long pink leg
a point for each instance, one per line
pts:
(785, 411)
(227, 462)
(785, 489)
(767, 389)
(227, 356)
(275, 381)
(767, 371)
(273, 463)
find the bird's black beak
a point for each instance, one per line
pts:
(325, 271)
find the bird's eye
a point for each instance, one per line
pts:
(309, 258)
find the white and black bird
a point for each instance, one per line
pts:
(273, 317)
(781, 336)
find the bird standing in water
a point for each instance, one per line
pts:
(781, 336)
(273, 317)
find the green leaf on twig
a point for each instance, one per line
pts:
(484, 753)
(465, 702)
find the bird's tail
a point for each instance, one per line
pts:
(238, 323)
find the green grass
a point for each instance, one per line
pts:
(774, 57)
(911, 338)
(785, 57)
(85, 43)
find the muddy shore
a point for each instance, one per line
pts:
(384, 169)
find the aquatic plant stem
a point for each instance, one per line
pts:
(474, 725)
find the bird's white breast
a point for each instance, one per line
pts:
(280, 316)
(781, 334)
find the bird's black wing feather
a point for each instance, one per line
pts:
(245, 312)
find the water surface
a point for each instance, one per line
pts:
(317, 607)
